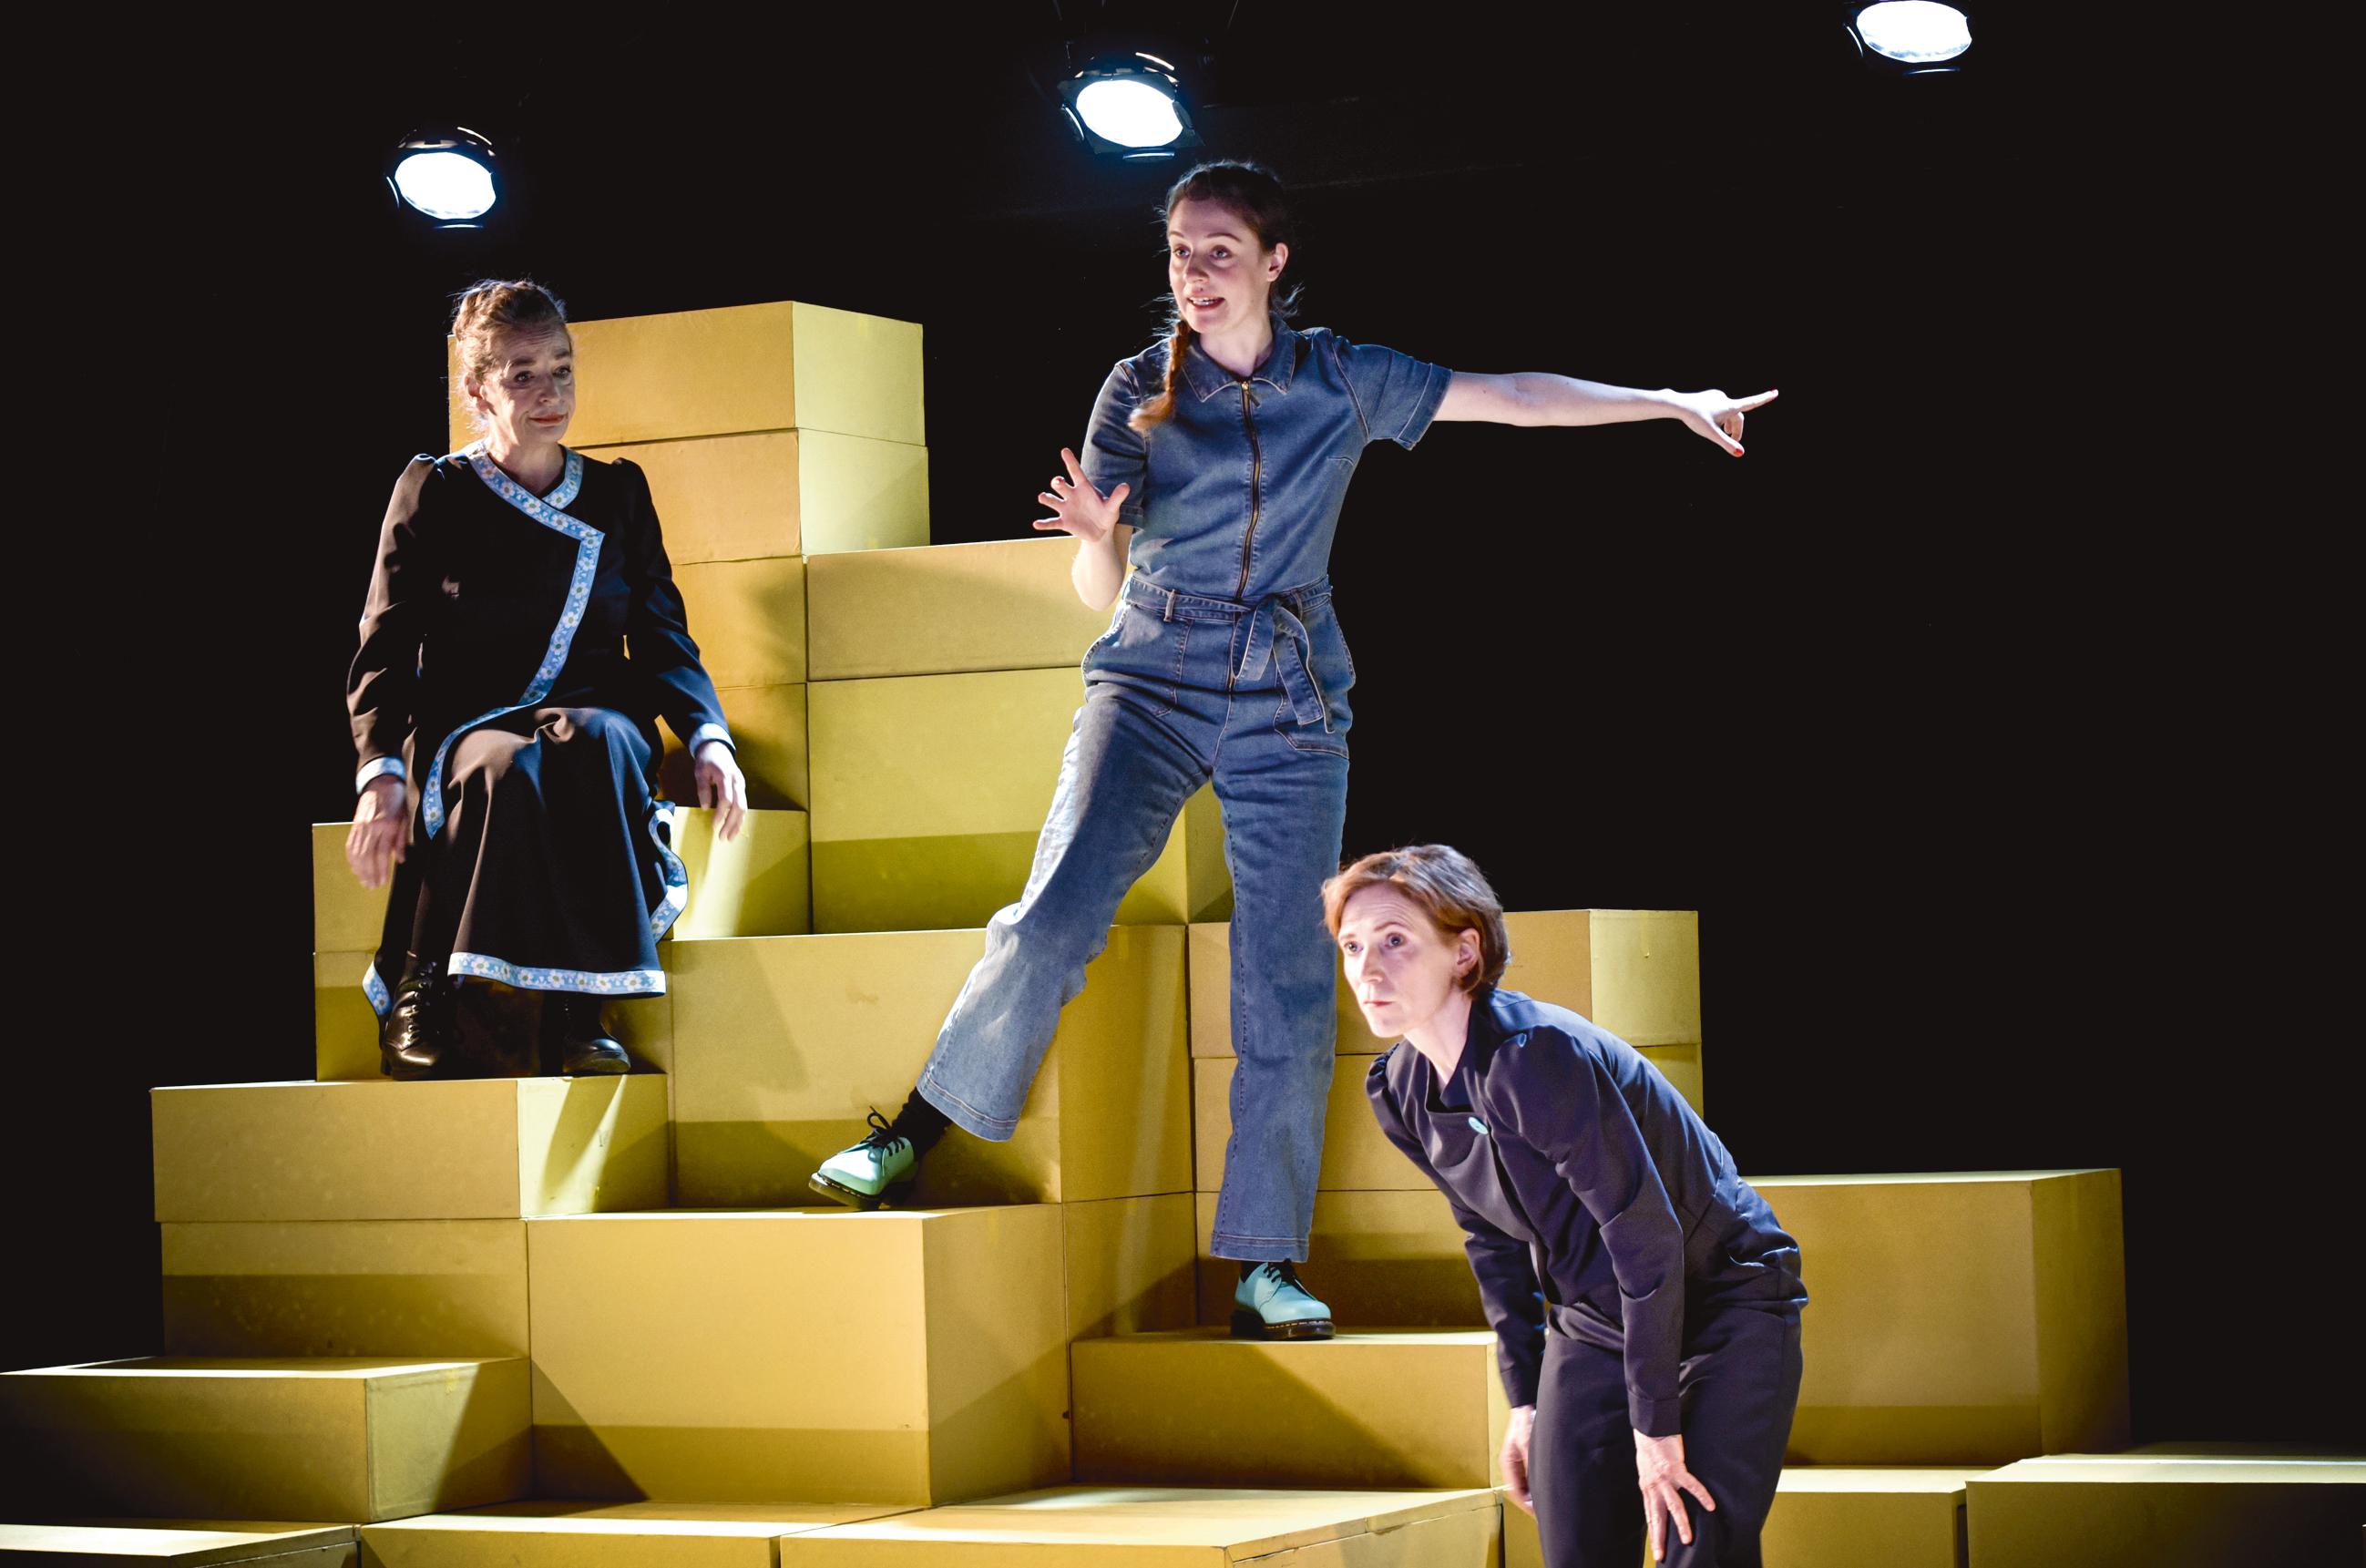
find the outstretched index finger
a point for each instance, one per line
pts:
(1746, 404)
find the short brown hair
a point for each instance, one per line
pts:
(1449, 888)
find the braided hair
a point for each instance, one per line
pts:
(1251, 193)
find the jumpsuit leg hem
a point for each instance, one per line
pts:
(1256, 1248)
(962, 1114)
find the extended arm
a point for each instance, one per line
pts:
(1537, 397)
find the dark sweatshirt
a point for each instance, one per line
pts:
(1579, 1172)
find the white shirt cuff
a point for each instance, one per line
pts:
(706, 733)
(382, 768)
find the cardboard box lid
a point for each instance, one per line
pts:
(565, 1517)
(1266, 1521)
(193, 1542)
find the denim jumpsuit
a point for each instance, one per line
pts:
(1224, 660)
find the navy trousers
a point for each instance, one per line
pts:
(1739, 1382)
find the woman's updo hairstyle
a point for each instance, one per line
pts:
(1443, 882)
(1252, 194)
(481, 312)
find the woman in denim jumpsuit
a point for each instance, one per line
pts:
(1215, 462)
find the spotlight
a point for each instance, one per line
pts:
(1916, 35)
(448, 176)
(1129, 106)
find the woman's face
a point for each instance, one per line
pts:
(528, 396)
(1219, 271)
(1400, 965)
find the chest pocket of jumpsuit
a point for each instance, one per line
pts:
(1332, 673)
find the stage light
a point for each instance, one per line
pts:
(1914, 32)
(1129, 106)
(448, 176)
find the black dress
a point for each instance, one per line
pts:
(494, 675)
(1636, 1282)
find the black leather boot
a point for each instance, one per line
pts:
(577, 1039)
(417, 1029)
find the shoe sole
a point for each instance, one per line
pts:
(893, 1197)
(598, 1070)
(1250, 1326)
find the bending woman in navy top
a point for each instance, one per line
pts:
(1635, 1281)
(1216, 462)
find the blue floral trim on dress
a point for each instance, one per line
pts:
(526, 977)
(665, 827)
(546, 511)
(381, 1000)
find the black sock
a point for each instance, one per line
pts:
(921, 1122)
(1249, 1267)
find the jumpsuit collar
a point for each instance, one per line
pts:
(1207, 377)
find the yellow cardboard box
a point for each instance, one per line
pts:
(1130, 1265)
(748, 618)
(1003, 605)
(1634, 972)
(725, 497)
(744, 367)
(1367, 1409)
(784, 492)
(603, 1534)
(929, 792)
(2157, 1510)
(768, 731)
(346, 1288)
(782, 1044)
(1157, 1526)
(347, 1440)
(212, 1543)
(478, 1149)
(1356, 1155)
(908, 1356)
(1832, 1517)
(1957, 1318)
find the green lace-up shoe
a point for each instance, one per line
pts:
(878, 1170)
(1271, 1304)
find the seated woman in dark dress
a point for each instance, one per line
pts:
(1636, 1283)
(508, 737)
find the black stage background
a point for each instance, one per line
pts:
(1902, 701)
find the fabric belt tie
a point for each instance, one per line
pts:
(1272, 624)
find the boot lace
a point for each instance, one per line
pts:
(882, 1133)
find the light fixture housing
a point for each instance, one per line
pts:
(1129, 106)
(446, 175)
(1911, 38)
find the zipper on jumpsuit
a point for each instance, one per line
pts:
(1257, 484)
(1248, 542)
